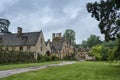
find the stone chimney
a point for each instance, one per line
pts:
(59, 34)
(48, 41)
(53, 36)
(19, 31)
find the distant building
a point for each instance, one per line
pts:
(59, 46)
(26, 42)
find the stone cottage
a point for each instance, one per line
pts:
(26, 42)
(59, 46)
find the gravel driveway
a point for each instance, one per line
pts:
(6, 73)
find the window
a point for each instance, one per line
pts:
(41, 48)
(41, 41)
(21, 48)
(28, 48)
(6, 48)
(13, 48)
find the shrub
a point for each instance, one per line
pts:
(16, 56)
(45, 58)
(54, 58)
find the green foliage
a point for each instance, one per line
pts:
(91, 41)
(70, 35)
(54, 58)
(107, 13)
(70, 57)
(96, 51)
(45, 58)
(109, 44)
(84, 44)
(15, 57)
(115, 53)
(107, 48)
(103, 51)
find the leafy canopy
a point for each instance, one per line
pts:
(70, 35)
(107, 12)
(91, 41)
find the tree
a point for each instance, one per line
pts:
(109, 44)
(84, 44)
(70, 36)
(96, 51)
(91, 41)
(115, 53)
(107, 12)
(4, 24)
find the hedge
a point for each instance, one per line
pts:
(16, 56)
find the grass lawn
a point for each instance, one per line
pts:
(77, 71)
(23, 65)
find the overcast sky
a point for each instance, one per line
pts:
(50, 16)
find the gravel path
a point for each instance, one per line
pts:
(6, 73)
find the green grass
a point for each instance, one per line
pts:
(23, 65)
(77, 71)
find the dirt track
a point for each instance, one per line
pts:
(6, 73)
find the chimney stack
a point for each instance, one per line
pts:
(48, 41)
(53, 36)
(19, 31)
(59, 34)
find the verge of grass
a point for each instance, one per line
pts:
(24, 65)
(77, 71)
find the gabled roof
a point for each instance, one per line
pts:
(56, 46)
(25, 39)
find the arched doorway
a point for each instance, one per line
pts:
(48, 53)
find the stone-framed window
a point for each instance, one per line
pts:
(41, 48)
(21, 48)
(13, 48)
(28, 48)
(6, 49)
(41, 40)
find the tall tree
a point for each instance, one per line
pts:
(4, 24)
(93, 40)
(108, 15)
(70, 35)
(107, 12)
(84, 44)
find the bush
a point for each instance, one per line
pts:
(96, 52)
(45, 58)
(16, 56)
(70, 57)
(54, 58)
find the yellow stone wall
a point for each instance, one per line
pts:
(40, 46)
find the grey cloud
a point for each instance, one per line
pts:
(51, 16)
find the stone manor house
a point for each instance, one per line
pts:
(35, 42)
